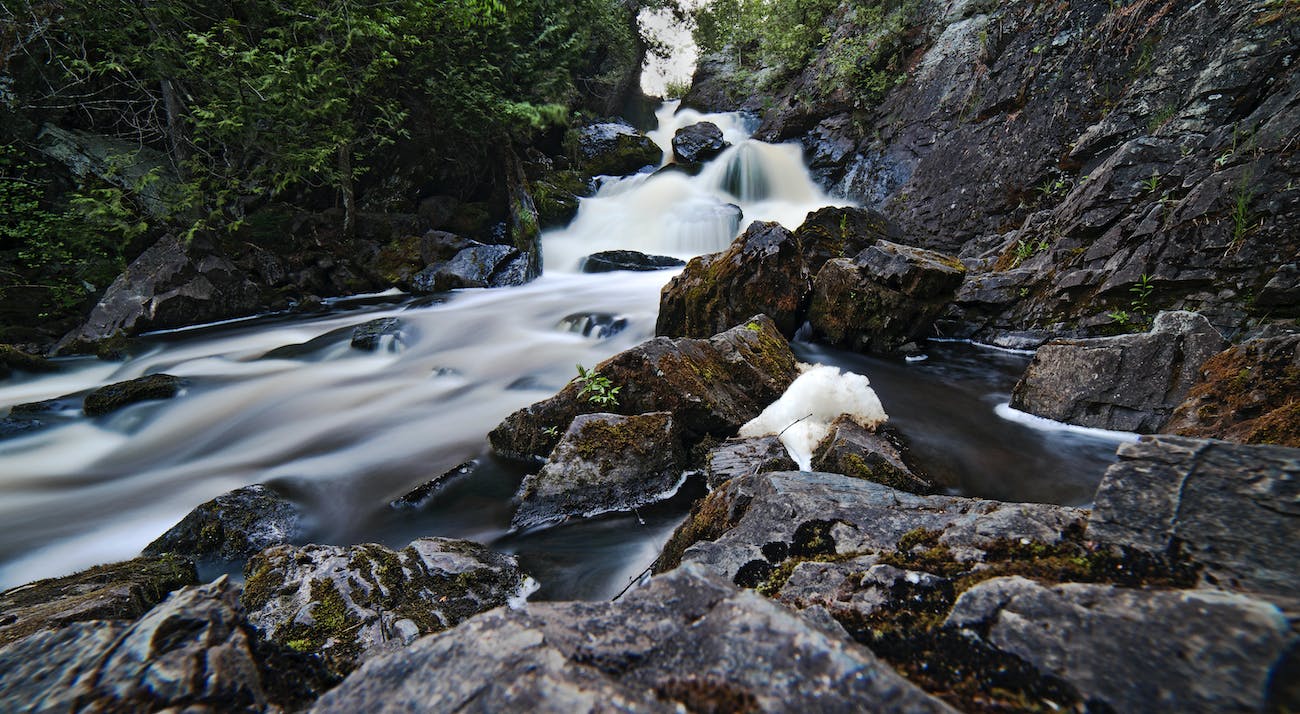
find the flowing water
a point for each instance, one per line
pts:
(284, 400)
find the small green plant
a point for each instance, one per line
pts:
(1027, 249)
(1052, 186)
(1141, 293)
(1243, 221)
(551, 431)
(676, 88)
(1119, 316)
(1153, 182)
(597, 388)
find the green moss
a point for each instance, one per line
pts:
(710, 517)
(261, 584)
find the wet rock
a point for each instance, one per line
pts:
(368, 336)
(1246, 393)
(841, 232)
(13, 360)
(610, 260)
(853, 450)
(472, 267)
(121, 394)
(883, 298)
(117, 591)
(1200, 650)
(763, 271)
(711, 386)
(698, 142)
(613, 149)
(599, 325)
(1128, 383)
(232, 527)
(556, 195)
(518, 270)
(604, 462)
(1233, 510)
(424, 493)
(25, 418)
(349, 603)
(193, 650)
(687, 641)
(744, 456)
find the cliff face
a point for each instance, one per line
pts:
(1090, 161)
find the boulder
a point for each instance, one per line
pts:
(611, 260)
(685, 642)
(878, 456)
(711, 386)
(556, 194)
(883, 298)
(763, 271)
(121, 394)
(193, 650)
(232, 527)
(744, 456)
(13, 360)
(1127, 382)
(24, 418)
(600, 325)
(614, 149)
(368, 336)
(117, 591)
(1233, 510)
(1249, 393)
(698, 142)
(472, 267)
(1199, 650)
(841, 232)
(349, 603)
(604, 462)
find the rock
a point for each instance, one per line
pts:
(886, 296)
(744, 456)
(232, 527)
(424, 493)
(1199, 650)
(518, 270)
(763, 271)
(604, 462)
(350, 603)
(613, 149)
(1233, 510)
(556, 196)
(1246, 393)
(121, 394)
(599, 325)
(711, 387)
(1127, 383)
(194, 649)
(368, 336)
(610, 260)
(841, 232)
(25, 418)
(698, 142)
(472, 267)
(13, 360)
(855, 451)
(117, 591)
(171, 284)
(685, 642)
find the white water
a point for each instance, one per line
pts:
(347, 431)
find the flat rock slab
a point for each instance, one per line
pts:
(232, 526)
(745, 456)
(123, 394)
(1233, 509)
(687, 641)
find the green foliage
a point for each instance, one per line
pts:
(676, 89)
(870, 63)
(1243, 220)
(597, 388)
(786, 32)
(1025, 250)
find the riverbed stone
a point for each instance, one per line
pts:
(598, 325)
(116, 591)
(686, 641)
(115, 396)
(698, 142)
(762, 271)
(842, 232)
(739, 456)
(614, 149)
(368, 336)
(853, 450)
(712, 386)
(604, 462)
(232, 527)
(13, 360)
(1248, 393)
(1234, 510)
(349, 603)
(1126, 382)
(472, 267)
(611, 260)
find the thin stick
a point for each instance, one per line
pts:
(796, 421)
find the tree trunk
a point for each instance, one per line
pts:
(348, 191)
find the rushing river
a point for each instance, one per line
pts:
(284, 400)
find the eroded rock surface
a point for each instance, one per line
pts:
(744, 456)
(232, 526)
(369, 336)
(1249, 392)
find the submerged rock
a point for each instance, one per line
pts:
(1246, 393)
(856, 451)
(1127, 383)
(349, 603)
(687, 641)
(13, 360)
(599, 325)
(611, 260)
(368, 336)
(232, 527)
(613, 149)
(710, 386)
(698, 142)
(122, 394)
(604, 462)
(425, 492)
(745, 456)
(116, 591)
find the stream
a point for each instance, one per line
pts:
(284, 400)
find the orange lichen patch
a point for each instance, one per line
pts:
(1249, 393)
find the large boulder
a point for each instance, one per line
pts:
(841, 232)
(698, 142)
(878, 456)
(349, 603)
(1249, 393)
(614, 149)
(883, 298)
(711, 387)
(1127, 382)
(193, 650)
(117, 591)
(115, 396)
(611, 260)
(685, 642)
(763, 271)
(1232, 510)
(604, 462)
(232, 527)
(477, 266)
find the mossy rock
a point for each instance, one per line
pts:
(232, 527)
(13, 360)
(122, 394)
